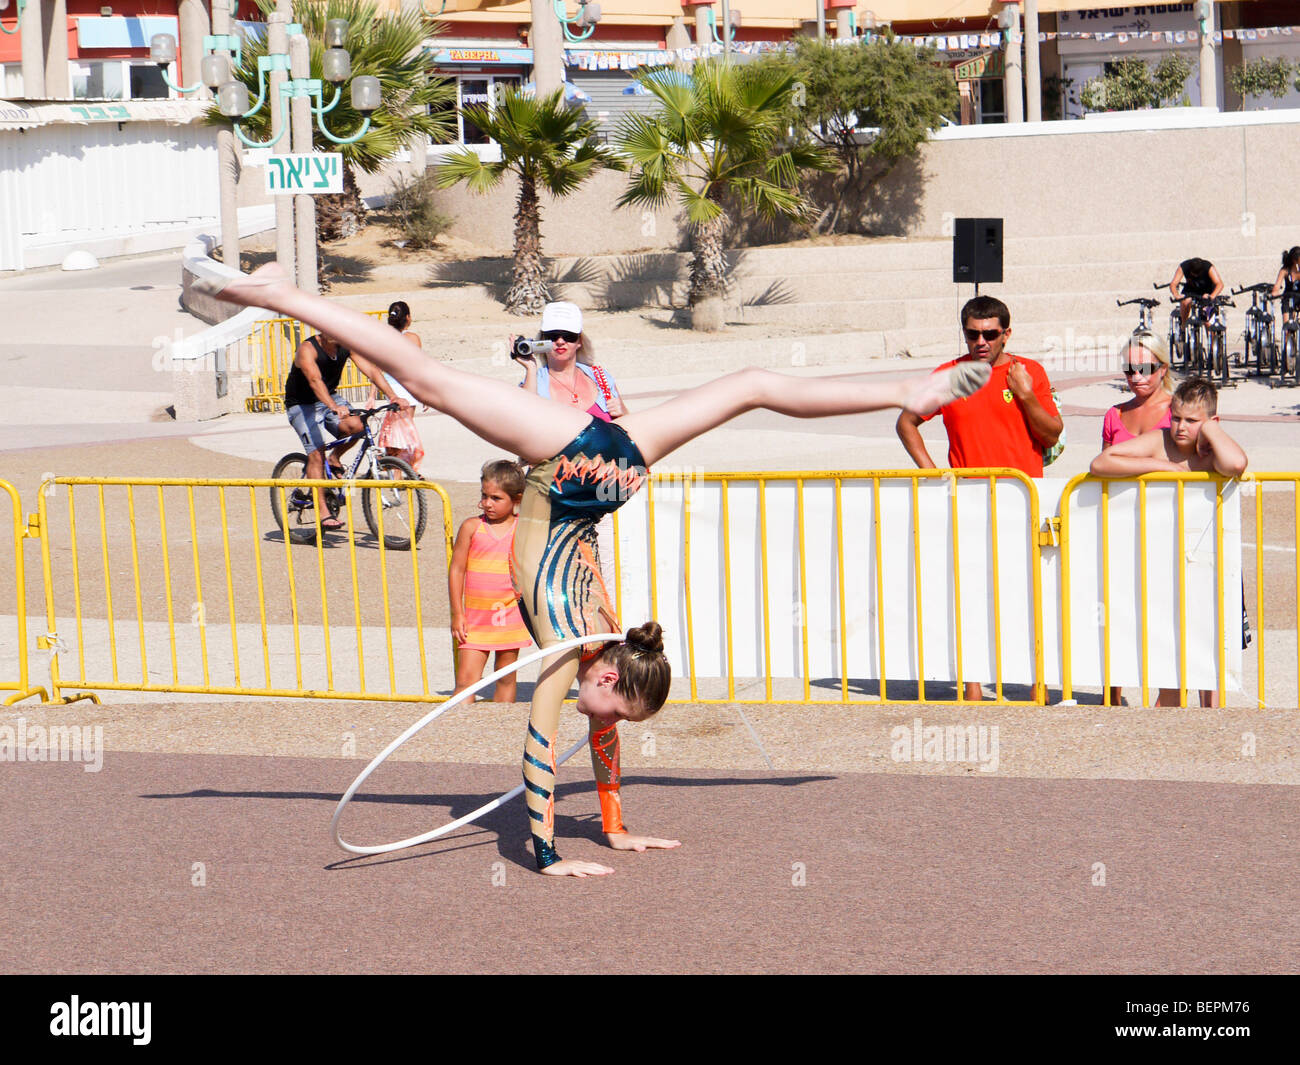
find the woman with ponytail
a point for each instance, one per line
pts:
(583, 468)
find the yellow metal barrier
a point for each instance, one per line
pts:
(164, 585)
(802, 480)
(21, 687)
(1151, 550)
(275, 343)
(1276, 577)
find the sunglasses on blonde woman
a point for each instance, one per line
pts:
(1145, 369)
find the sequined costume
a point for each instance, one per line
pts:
(561, 595)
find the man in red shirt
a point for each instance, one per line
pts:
(1007, 423)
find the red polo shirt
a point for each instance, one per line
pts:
(989, 428)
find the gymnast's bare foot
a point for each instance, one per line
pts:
(253, 290)
(929, 394)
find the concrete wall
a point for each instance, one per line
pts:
(1148, 172)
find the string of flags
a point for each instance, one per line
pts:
(602, 59)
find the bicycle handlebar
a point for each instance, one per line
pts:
(1141, 299)
(1262, 287)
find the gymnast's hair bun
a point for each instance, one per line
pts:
(648, 638)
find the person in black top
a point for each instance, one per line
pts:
(1288, 282)
(314, 405)
(1199, 278)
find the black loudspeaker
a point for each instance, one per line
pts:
(977, 250)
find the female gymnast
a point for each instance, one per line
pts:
(583, 468)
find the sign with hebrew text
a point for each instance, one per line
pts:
(316, 173)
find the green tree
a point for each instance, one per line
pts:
(872, 103)
(1259, 77)
(391, 48)
(719, 138)
(1132, 84)
(547, 144)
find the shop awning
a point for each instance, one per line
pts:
(119, 32)
(28, 115)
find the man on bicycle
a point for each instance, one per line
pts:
(314, 406)
(1199, 278)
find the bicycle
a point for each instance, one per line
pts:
(1260, 337)
(1179, 341)
(1145, 317)
(1290, 355)
(404, 512)
(1216, 337)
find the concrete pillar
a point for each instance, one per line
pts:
(277, 35)
(193, 19)
(1013, 80)
(33, 46)
(703, 35)
(678, 35)
(843, 28)
(304, 205)
(227, 161)
(547, 39)
(1033, 70)
(1209, 70)
(54, 25)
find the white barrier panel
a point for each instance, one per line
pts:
(837, 628)
(1092, 633)
(843, 623)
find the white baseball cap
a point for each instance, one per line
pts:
(565, 316)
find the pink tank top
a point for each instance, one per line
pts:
(1113, 431)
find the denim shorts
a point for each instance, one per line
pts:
(311, 421)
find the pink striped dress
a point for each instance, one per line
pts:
(492, 618)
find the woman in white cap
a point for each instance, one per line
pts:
(569, 375)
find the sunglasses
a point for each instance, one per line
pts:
(561, 334)
(1145, 369)
(988, 334)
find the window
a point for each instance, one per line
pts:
(477, 90)
(117, 79)
(992, 102)
(11, 81)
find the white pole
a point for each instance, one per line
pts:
(1033, 72)
(278, 44)
(304, 204)
(227, 160)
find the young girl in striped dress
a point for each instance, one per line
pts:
(484, 607)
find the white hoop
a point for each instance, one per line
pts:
(438, 711)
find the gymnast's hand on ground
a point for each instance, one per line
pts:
(572, 867)
(625, 841)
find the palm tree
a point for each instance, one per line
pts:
(412, 103)
(718, 138)
(547, 144)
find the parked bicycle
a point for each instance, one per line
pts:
(1289, 359)
(1206, 338)
(1145, 307)
(403, 511)
(1260, 337)
(1180, 346)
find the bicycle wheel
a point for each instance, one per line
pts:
(1177, 347)
(1219, 356)
(295, 508)
(404, 510)
(1269, 344)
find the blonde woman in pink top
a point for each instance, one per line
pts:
(1145, 363)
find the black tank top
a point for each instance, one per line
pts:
(298, 392)
(1196, 277)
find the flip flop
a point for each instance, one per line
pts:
(333, 525)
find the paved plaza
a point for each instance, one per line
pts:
(808, 845)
